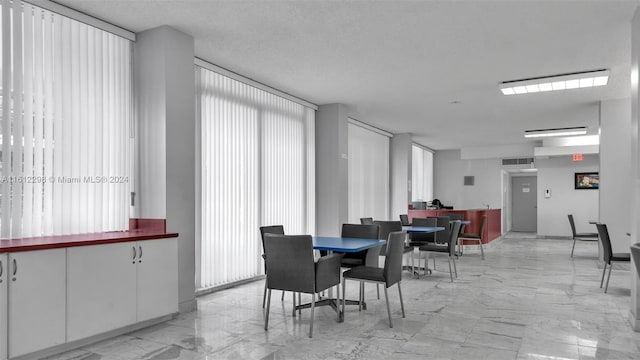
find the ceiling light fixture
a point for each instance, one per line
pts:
(570, 131)
(575, 80)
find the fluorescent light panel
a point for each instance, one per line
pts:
(558, 82)
(572, 131)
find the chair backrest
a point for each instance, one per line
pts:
(387, 227)
(404, 219)
(573, 225)
(605, 241)
(454, 216)
(272, 229)
(420, 237)
(393, 260)
(635, 253)
(363, 231)
(366, 221)
(290, 263)
(444, 235)
(483, 222)
(453, 236)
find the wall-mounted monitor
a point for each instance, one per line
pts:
(586, 181)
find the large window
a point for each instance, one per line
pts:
(64, 125)
(368, 173)
(421, 174)
(257, 168)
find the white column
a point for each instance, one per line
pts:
(165, 178)
(400, 174)
(635, 175)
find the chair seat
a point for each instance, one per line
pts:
(587, 235)
(433, 247)
(621, 257)
(469, 236)
(365, 273)
(351, 262)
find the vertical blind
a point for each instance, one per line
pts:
(368, 173)
(256, 168)
(421, 174)
(64, 127)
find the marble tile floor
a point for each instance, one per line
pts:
(527, 300)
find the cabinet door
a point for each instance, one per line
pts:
(36, 300)
(101, 288)
(3, 306)
(157, 278)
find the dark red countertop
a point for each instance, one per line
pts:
(148, 231)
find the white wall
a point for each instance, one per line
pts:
(557, 175)
(449, 171)
(615, 173)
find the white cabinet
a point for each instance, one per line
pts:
(101, 288)
(157, 276)
(114, 285)
(3, 306)
(36, 300)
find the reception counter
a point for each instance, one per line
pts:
(492, 229)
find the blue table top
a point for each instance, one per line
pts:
(422, 229)
(347, 245)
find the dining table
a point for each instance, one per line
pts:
(332, 244)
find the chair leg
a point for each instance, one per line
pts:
(282, 298)
(450, 271)
(266, 317)
(386, 299)
(361, 296)
(573, 247)
(338, 301)
(300, 303)
(378, 290)
(264, 294)
(401, 303)
(481, 248)
(293, 295)
(344, 293)
(604, 271)
(608, 277)
(455, 268)
(313, 305)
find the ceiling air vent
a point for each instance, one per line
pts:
(520, 161)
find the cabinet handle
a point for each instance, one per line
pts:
(134, 254)
(140, 252)
(1, 269)
(15, 267)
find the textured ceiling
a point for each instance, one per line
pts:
(431, 68)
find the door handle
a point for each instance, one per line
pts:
(134, 255)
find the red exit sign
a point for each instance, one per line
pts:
(578, 157)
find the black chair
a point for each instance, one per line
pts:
(367, 257)
(453, 216)
(580, 236)
(474, 237)
(404, 219)
(272, 229)
(389, 275)
(449, 248)
(291, 267)
(366, 221)
(608, 255)
(386, 228)
(417, 239)
(635, 253)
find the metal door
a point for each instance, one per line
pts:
(524, 207)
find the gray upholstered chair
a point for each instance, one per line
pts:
(291, 267)
(366, 221)
(579, 236)
(404, 219)
(453, 216)
(635, 253)
(474, 237)
(386, 228)
(389, 275)
(449, 248)
(368, 257)
(608, 255)
(272, 229)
